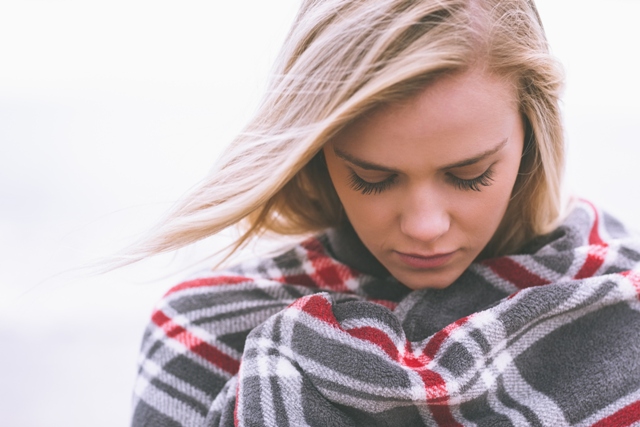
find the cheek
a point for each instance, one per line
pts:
(487, 212)
(365, 212)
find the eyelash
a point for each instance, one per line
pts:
(474, 184)
(365, 187)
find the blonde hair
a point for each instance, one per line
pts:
(343, 58)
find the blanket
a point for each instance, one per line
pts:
(547, 337)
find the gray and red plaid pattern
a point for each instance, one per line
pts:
(549, 337)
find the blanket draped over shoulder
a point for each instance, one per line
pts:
(548, 337)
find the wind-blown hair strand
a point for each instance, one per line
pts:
(343, 58)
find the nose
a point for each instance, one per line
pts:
(425, 217)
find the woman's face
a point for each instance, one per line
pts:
(426, 182)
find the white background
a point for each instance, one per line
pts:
(111, 110)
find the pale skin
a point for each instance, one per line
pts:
(426, 182)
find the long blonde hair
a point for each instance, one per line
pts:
(343, 58)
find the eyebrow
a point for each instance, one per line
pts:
(363, 164)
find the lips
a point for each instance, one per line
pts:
(425, 262)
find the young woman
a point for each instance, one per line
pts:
(420, 141)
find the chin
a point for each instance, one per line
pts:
(428, 280)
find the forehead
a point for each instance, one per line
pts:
(451, 101)
(459, 86)
(449, 119)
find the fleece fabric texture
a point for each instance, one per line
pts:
(548, 337)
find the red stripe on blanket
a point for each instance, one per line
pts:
(377, 337)
(299, 279)
(318, 307)
(435, 389)
(327, 273)
(435, 343)
(443, 416)
(432, 347)
(515, 273)
(208, 281)
(435, 386)
(595, 258)
(438, 398)
(624, 417)
(594, 234)
(195, 344)
(597, 248)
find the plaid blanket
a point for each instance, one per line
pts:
(549, 337)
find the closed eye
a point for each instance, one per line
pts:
(359, 184)
(365, 187)
(474, 184)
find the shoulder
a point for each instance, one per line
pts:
(222, 307)
(584, 224)
(193, 344)
(309, 264)
(587, 243)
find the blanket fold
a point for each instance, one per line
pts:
(549, 337)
